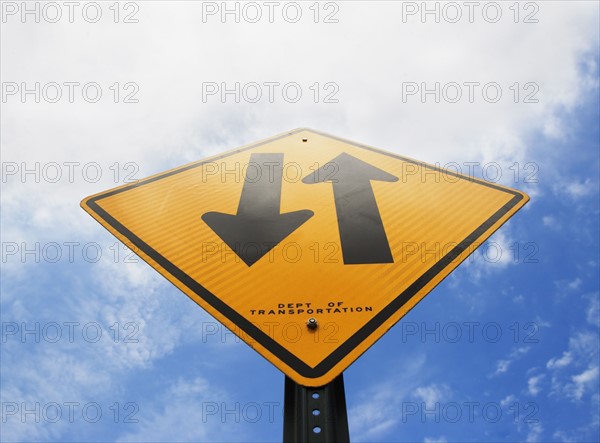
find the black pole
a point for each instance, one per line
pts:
(315, 414)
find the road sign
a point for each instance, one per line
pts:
(306, 226)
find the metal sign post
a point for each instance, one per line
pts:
(315, 414)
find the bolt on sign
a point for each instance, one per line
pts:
(307, 246)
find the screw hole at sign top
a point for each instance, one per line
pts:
(317, 430)
(304, 140)
(315, 395)
(316, 412)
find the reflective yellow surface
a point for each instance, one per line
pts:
(426, 213)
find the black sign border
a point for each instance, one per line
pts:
(256, 333)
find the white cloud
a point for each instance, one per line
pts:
(432, 394)
(575, 373)
(494, 255)
(550, 221)
(585, 344)
(542, 323)
(566, 287)
(509, 399)
(587, 431)
(503, 365)
(50, 374)
(557, 363)
(575, 284)
(383, 403)
(187, 407)
(533, 384)
(129, 305)
(440, 439)
(582, 382)
(554, 128)
(535, 432)
(172, 124)
(567, 436)
(592, 314)
(576, 189)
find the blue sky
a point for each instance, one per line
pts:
(505, 349)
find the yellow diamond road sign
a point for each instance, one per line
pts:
(306, 226)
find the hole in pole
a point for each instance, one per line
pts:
(317, 430)
(316, 412)
(315, 395)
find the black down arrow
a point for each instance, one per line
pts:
(361, 230)
(258, 225)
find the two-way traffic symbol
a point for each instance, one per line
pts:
(259, 220)
(408, 222)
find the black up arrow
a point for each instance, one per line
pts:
(258, 225)
(361, 229)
